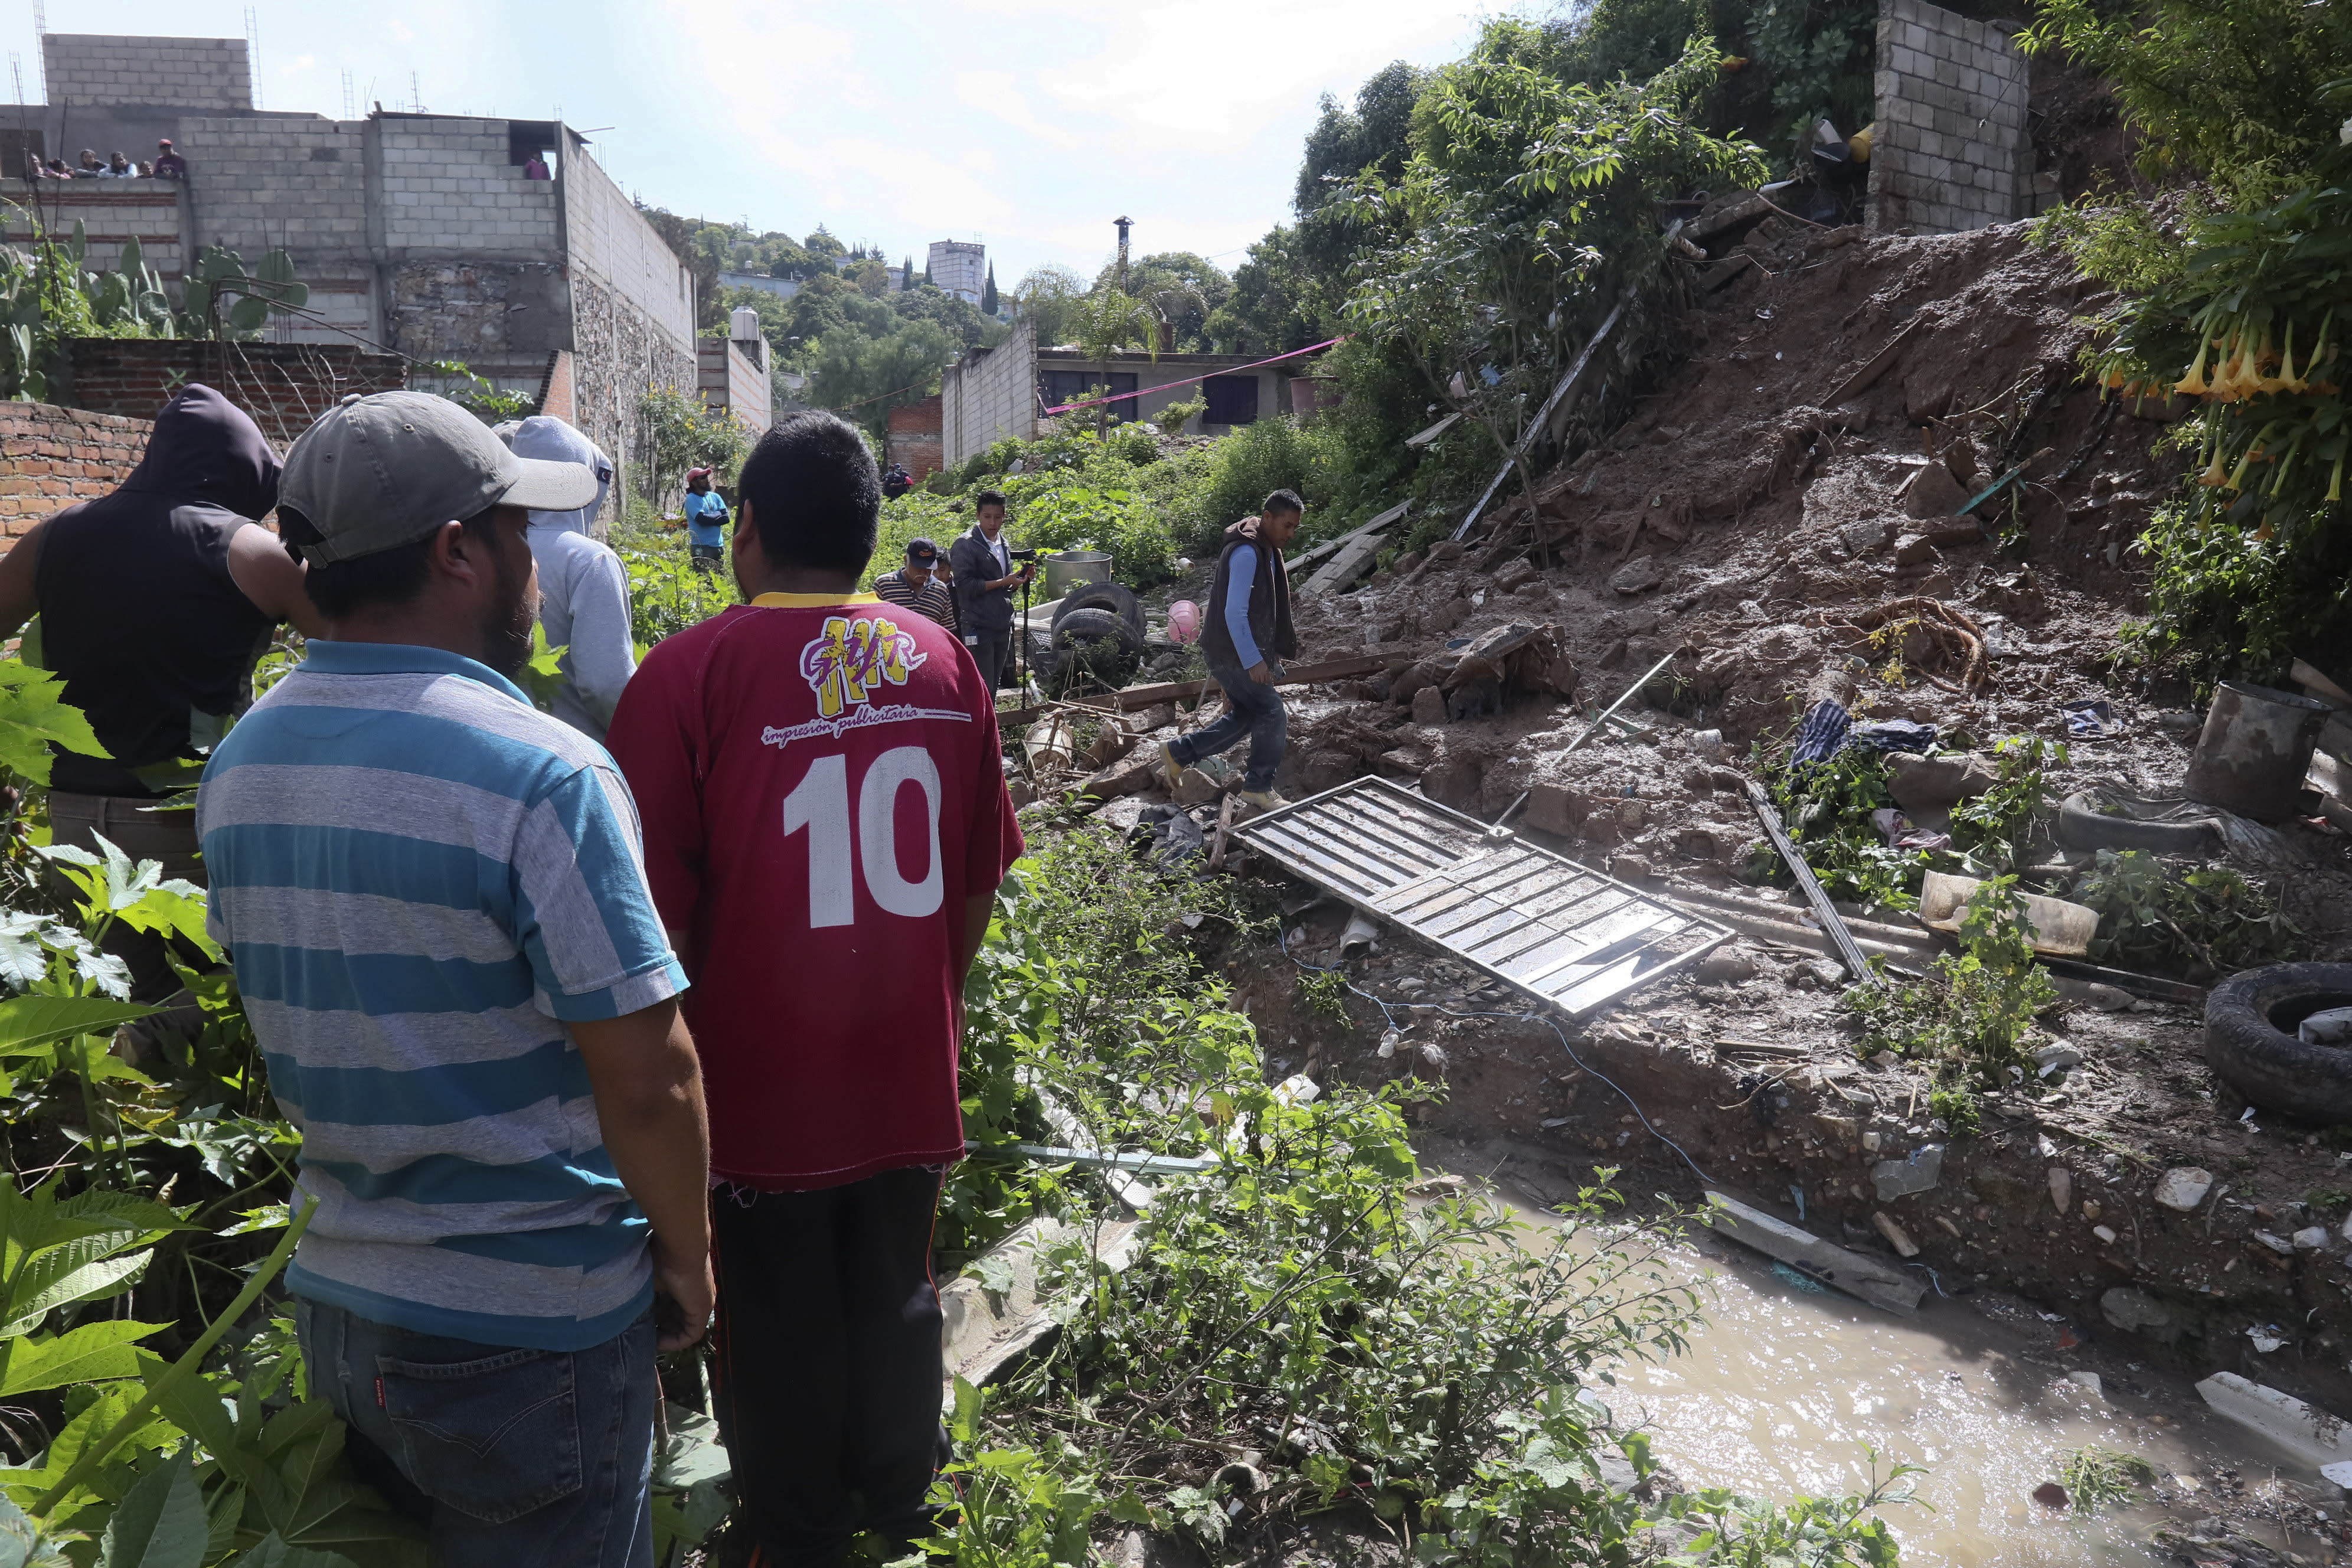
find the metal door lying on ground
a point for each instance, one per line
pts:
(1560, 932)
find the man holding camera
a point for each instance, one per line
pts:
(984, 580)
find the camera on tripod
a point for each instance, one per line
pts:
(1028, 554)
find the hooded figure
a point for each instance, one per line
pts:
(583, 592)
(155, 604)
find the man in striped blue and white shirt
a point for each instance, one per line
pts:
(435, 899)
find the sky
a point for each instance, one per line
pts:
(1027, 124)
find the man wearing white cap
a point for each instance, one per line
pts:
(583, 590)
(436, 900)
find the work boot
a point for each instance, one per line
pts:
(1172, 772)
(1262, 800)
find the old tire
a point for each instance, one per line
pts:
(2251, 1045)
(1119, 601)
(2083, 826)
(1093, 626)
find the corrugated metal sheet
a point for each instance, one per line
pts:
(1559, 933)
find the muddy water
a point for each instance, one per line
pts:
(1783, 1391)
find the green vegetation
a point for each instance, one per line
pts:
(2198, 921)
(1968, 1019)
(2096, 1479)
(1415, 1367)
(677, 432)
(1826, 808)
(2229, 296)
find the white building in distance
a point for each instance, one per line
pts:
(960, 267)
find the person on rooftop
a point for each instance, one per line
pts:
(168, 164)
(119, 167)
(92, 165)
(535, 168)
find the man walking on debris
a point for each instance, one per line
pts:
(584, 589)
(434, 899)
(984, 581)
(155, 604)
(1247, 630)
(826, 823)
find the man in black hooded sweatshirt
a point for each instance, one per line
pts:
(156, 601)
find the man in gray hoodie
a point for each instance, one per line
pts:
(583, 591)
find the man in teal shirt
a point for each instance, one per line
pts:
(706, 521)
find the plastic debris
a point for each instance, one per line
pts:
(1918, 1172)
(2089, 719)
(1805, 1282)
(2333, 1027)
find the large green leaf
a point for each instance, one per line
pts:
(276, 1552)
(160, 1523)
(93, 1353)
(33, 713)
(250, 314)
(80, 1270)
(27, 1023)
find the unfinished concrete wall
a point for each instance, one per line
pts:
(990, 393)
(632, 307)
(109, 211)
(283, 386)
(447, 184)
(1951, 137)
(51, 457)
(256, 184)
(192, 73)
(732, 377)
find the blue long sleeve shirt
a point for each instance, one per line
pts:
(1237, 597)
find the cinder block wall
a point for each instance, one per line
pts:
(109, 211)
(1951, 123)
(188, 73)
(448, 186)
(283, 386)
(51, 457)
(989, 395)
(259, 184)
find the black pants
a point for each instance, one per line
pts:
(827, 1363)
(991, 651)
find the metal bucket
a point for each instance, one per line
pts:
(1065, 569)
(2255, 750)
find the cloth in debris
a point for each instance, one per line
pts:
(872, 729)
(583, 590)
(1175, 839)
(1898, 831)
(1893, 735)
(340, 820)
(2332, 1027)
(2089, 719)
(139, 613)
(1823, 732)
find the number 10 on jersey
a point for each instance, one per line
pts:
(841, 847)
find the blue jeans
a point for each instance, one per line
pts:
(512, 1458)
(1251, 709)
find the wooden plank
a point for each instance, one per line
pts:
(1543, 416)
(1344, 568)
(1424, 438)
(1138, 696)
(1308, 558)
(1867, 374)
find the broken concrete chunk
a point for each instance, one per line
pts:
(1724, 967)
(2062, 1188)
(1514, 575)
(2313, 1434)
(1913, 549)
(2104, 1234)
(1933, 784)
(1194, 787)
(2311, 1239)
(1440, 619)
(2057, 1058)
(1638, 575)
(2183, 1188)
(1895, 1236)
(1933, 492)
(2275, 1243)
(2139, 1312)
(1865, 537)
(1918, 1172)
(1552, 808)
(1429, 706)
(1132, 777)
(2106, 998)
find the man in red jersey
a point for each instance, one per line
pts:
(825, 825)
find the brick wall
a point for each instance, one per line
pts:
(555, 394)
(1951, 138)
(912, 435)
(51, 457)
(188, 73)
(283, 386)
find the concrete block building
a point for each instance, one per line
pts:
(960, 267)
(733, 373)
(1951, 151)
(421, 235)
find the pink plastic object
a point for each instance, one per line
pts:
(1183, 620)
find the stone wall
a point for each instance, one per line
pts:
(192, 73)
(51, 457)
(619, 356)
(283, 386)
(1951, 142)
(990, 393)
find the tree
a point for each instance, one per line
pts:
(1108, 320)
(824, 247)
(677, 432)
(988, 304)
(1275, 303)
(1049, 296)
(1184, 289)
(1376, 135)
(907, 273)
(863, 378)
(927, 271)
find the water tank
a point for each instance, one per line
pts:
(743, 324)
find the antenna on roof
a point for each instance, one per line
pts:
(253, 52)
(17, 70)
(351, 102)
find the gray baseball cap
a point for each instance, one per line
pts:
(376, 472)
